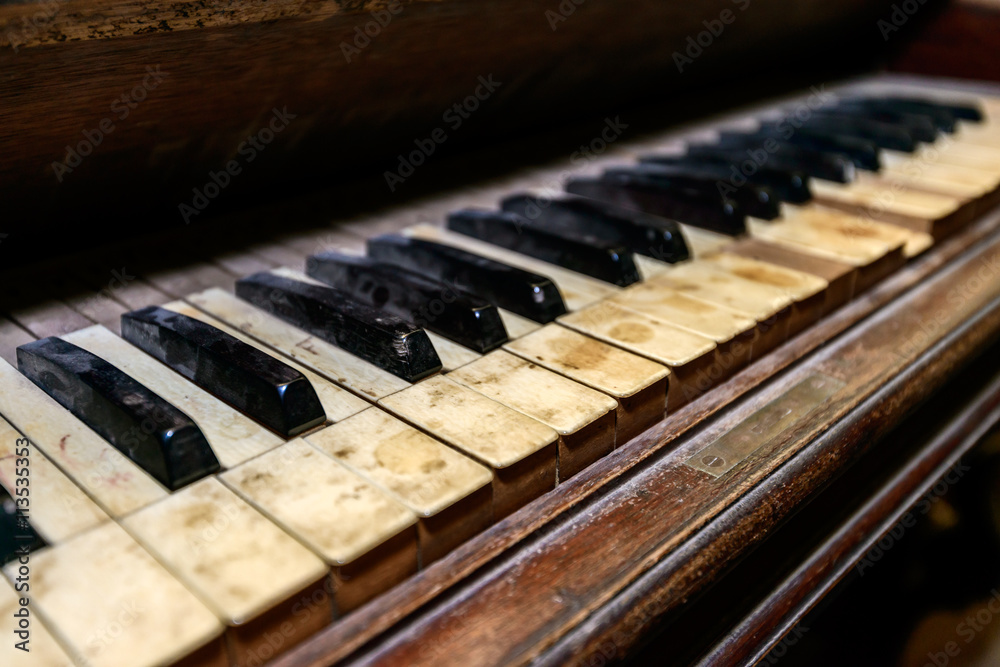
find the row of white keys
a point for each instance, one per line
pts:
(518, 450)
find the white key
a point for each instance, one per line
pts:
(110, 602)
(113, 481)
(520, 450)
(367, 536)
(449, 492)
(243, 566)
(59, 509)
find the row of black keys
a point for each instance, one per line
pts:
(377, 307)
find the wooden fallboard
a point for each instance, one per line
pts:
(596, 562)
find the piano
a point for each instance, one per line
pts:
(674, 383)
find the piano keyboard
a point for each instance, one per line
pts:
(216, 479)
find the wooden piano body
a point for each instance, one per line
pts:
(647, 538)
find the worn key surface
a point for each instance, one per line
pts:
(637, 384)
(253, 382)
(520, 450)
(234, 437)
(375, 336)
(583, 417)
(451, 493)
(40, 646)
(839, 276)
(111, 603)
(247, 570)
(366, 536)
(693, 359)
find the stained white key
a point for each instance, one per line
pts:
(451, 493)
(40, 649)
(637, 384)
(583, 417)
(113, 604)
(520, 450)
(363, 533)
(59, 508)
(244, 567)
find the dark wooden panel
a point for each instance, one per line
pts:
(224, 67)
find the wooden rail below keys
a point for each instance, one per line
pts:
(572, 549)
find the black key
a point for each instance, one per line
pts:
(645, 234)
(692, 206)
(154, 434)
(253, 382)
(791, 186)
(921, 127)
(970, 111)
(882, 135)
(522, 292)
(881, 127)
(17, 537)
(749, 152)
(864, 154)
(464, 318)
(759, 202)
(336, 317)
(943, 119)
(589, 255)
